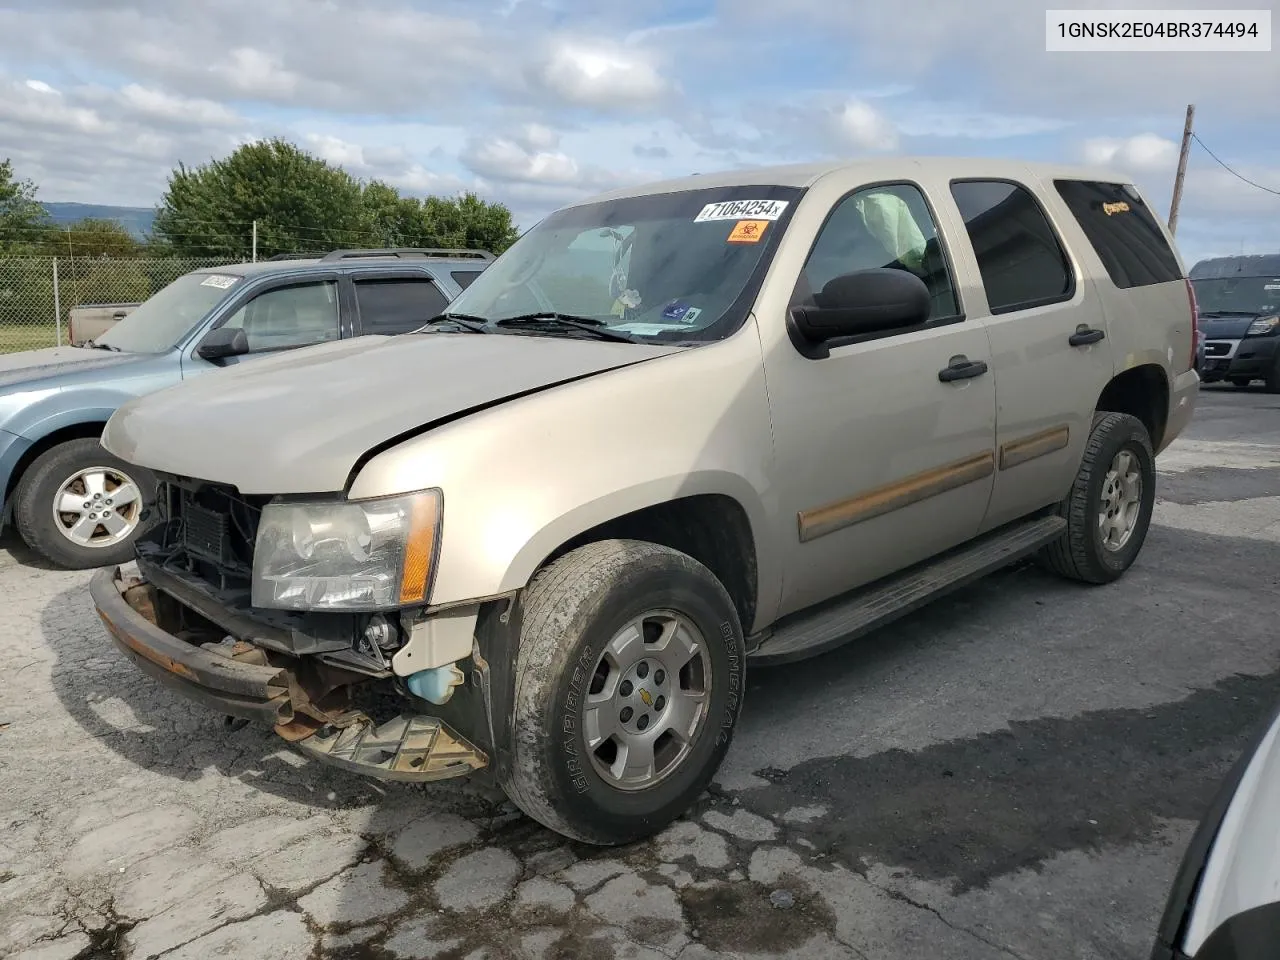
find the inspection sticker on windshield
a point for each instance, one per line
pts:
(741, 210)
(221, 281)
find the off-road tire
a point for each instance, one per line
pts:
(572, 608)
(40, 483)
(1079, 553)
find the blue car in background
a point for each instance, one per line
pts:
(79, 507)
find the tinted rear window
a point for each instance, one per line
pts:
(463, 278)
(1123, 231)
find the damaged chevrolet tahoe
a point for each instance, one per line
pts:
(674, 433)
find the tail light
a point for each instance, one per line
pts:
(1195, 322)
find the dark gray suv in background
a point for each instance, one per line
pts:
(1239, 304)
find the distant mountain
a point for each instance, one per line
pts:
(137, 220)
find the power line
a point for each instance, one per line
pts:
(1251, 183)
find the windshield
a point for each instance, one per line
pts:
(1252, 295)
(163, 321)
(666, 267)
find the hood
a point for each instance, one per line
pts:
(32, 365)
(298, 422)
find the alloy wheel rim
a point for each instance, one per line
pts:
(1121, 501)
(97, 507)
(648, 700)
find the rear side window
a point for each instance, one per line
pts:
(464, 278)
(397, 305)
(1019, 256)
(1123, 232)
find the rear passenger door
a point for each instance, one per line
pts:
(1141, 282)
(393, 303)
(1048, 342)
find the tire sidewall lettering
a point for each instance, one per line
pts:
(572, 743)
(734, 699)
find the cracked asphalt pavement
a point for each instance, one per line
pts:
(1011, 773)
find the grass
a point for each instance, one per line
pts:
(15, 339)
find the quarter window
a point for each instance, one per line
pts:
(398, 305)
(1123, 231)
(1019, 256)
(882, 226)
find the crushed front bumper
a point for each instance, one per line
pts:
(244, 681)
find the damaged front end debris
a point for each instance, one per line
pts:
(327, 712)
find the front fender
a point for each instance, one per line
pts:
(541, 543)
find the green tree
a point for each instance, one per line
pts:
(484, 224)
(393, 220)
(467, 221)
(21, 217)
(301, 203)
(92, 237)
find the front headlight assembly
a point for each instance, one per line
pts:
(347, 555)
(1262, 325)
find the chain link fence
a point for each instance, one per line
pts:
(37, 294)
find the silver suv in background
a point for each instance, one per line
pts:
(674, 432)
(79, 507)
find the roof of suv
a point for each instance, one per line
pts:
(887, 168)
(361, 258)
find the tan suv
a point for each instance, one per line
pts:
(674, 431)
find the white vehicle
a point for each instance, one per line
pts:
(1225, 902)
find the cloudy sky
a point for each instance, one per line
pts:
(535, 102)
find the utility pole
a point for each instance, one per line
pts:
(255, 241)
(1182, 169)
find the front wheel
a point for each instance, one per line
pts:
(1109, 507)
(629, 681)
(80, 507)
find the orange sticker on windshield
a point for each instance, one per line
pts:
(748, 231)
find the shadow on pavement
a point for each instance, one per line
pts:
(12, 544)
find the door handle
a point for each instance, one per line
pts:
(962, 368)
(1085, 335)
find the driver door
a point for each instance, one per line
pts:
(880, 462)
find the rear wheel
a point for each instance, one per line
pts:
(80, 507)
(628, 688)
(1240, 381)
(1109, 507)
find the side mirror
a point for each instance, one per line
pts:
(853, 304)
(222, 343)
